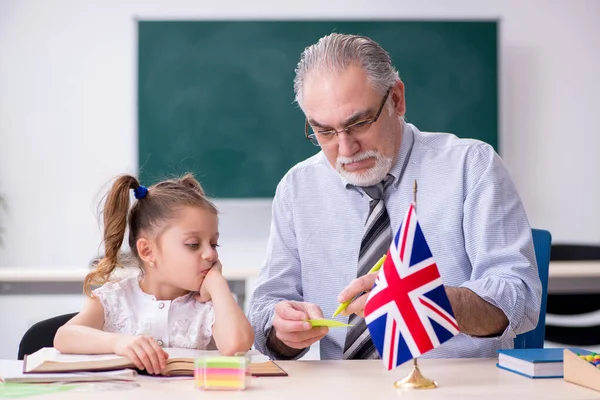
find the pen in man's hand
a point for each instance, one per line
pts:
(345, 304)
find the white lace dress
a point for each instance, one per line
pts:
(183, 322)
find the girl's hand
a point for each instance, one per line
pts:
(212, 280)
(143, 351)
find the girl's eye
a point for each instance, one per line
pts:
(192, 246)
(214, 246)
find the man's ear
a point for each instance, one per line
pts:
(145, 250)
(398, 98)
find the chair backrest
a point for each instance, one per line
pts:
(542, 241)
(41, 334)
(572, 252)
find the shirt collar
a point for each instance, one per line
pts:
(408, 139)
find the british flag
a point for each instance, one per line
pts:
(408, 312)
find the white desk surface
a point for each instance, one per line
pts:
(73, 274)
(575, 269)
(558, 269)
(365, 379)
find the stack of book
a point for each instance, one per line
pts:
(535, 363)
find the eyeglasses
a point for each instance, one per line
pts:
(330, 137)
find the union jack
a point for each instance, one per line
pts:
(408, 312)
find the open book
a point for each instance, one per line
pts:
(179, 363)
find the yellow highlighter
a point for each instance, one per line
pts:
(343, 306)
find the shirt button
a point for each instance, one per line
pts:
(161, 305)
(160, 342)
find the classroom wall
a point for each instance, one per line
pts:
(68, 113)
(68, 101)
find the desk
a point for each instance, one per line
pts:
(575, 269)
(564, 276)
(574, 277)
(64, 280)
(76, 274)
(365, 379)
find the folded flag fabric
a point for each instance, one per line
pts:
(408, 312)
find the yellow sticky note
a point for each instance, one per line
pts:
(330, 323)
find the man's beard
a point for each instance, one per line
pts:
(371, 176)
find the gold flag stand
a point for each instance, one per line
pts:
(415, 380)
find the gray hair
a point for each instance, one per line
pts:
(336, 52)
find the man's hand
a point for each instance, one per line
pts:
(364, 284)
(290, 327)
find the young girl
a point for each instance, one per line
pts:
(179, 299)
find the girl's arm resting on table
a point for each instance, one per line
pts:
(83, 334)
(231, 331)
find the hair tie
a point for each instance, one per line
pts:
(140, 192)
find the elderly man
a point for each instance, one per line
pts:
(334, 215)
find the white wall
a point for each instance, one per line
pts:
(68, 116)
(68, 112)
(15, 320)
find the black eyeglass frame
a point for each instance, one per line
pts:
(369, 121)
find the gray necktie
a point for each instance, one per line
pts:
(375, 243)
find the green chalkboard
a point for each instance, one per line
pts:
(216, 97)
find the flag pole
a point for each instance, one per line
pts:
(415, 194)
(415, 380)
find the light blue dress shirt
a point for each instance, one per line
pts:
(468, 209)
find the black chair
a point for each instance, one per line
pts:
(573, 304)
(571, 252)
(41, 334)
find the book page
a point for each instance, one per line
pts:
(188, 354)
(53, 355)
(12, 371)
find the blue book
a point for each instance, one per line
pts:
(535, 363)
